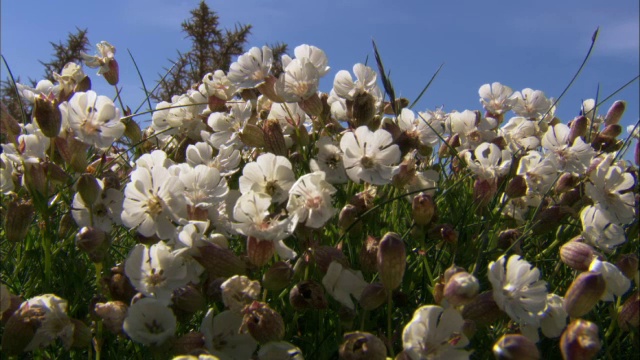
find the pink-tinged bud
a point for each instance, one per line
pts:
(220, 262)
(259, 251)
(373, 296)
(611, 131)
(615, 113)
(629, 315)
(461, 288)
(517, 187)
(482, 310)
(88, 188)
(369, 255)
(81, 334)
(268, 89)
(325, 255)
(20, 330)
(94, 242)
(18, 219)
(578, 128)
(515, 347)
(606, 140)
(274, 138)
(113, 74)
(118, 285)
(483, 191)
(577, 255)
(217, 104)
(628, 265)
(278, 276)
(189, 343)
(584, 293)
(264, 323)
(348, 220)
(308, 295)
(312, 105)
(47, 114)
(252, 136)
(188, 300)
(507, 239)
(392, 260)
(362, 346)
(566, 182)
(423, 208)
(112, 314)
(580, 340)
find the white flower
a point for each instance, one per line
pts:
(422, 127)
(520, 134)
(219, 85)
(228, 127)
(270, 174)
(154, 199)
(574, 157)
(226, 161)
(54, 323)
(252, 68)
(290, 116)
(149, 322)
(434, 121)
(539, 172)
(531, 104)
(471, 130)
(43, 87)
(554, 318)
(204, 186)
(496, 98)
(342, 283)
(329, 161)
(156, 271)
(518, 291)
(598, 231)
(517, 208)
(94, 119)
(435, 334)
(106, 54)
(369, 156)
(33, 145)
(70, 76)
(617, 283)
(239, 291)
(6, 174)
(607, 188)
(490, 162)
(310, 200)
(366, 78)
(223, 337)
(314, 55)
(298, 81)
(106, 209)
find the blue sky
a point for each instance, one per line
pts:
(537, 44)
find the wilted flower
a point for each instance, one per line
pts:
(223, 338)
(149, 322)
(239, 291)
(435, 333)
(342, 283)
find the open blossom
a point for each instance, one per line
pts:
(106, 209)
(94, 119)
(54, 322)
(252, 68)
(600, 232)
(270, 174)
(517, 289)
(607, 188)
(314, 55)
(203, 185)
(150, 322)
(520, 134)
(226, 161)
(531, 104)
(298, 81)
(106, 54)
(343, 283)
(223, 337)
(496, 98)
(366, 82)
(574, 157)
(471, 129)
(435, 333)
(617, 283)
(329, 161)
(239, 291)
(488, 161)
(228, 127)
(370, 156)
(218, 84)
(310, 200)
(539, 172)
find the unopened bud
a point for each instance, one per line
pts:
(264, 323)
(392, 260)
(577, 255)
(348, 220)
(507, 239)
(483, 310)
(445, 232)
(515, 347)
(363, 109)
(438, 293)
(189, 343)
(35, 178)
(47, 114)
(629, 316)
(308, 295)
(118, 285)
(577, 129)
(628, 265)
(220, 262)
(112, 314)
(94, 242)
(259, 251)
(373, 296)
(452, 270)
(517, 187)
(83, 85)
(89, 188)
(188, 299)
(584, 293)
(461, 288)
(252, 136)
(278, 276)
(566, 182)
(325, 255)
(580, 340)
(362, 346)
(615, 113)
(549, 219)
(132, 130)
(483, 191)
(274, 138)
(268, 89)
(113, 74)
(20, 330)
(369, 255)
(312, 105)
(423, 208)
(18, 219)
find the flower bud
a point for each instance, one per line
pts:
(448, 149)
(566, 182)
(307, 295)
(264, 323)
(461, 288)
(362, 346)
(188, 300)
(584, 293)
(549, 219)
(112, 314)
(580, 340)
(452, 270)
(274, 138)
(88, 188)
(628, 265)
(113, 74)
(517, 187)
(252, 136)
(312, 105)
(577, 129)
(615, 113)
(348, 216)
(392, 260)
(118, 285)
(219, 262)
(445, 232)
(278, 276)
(259, 251)
(363, 200)
(629, 315)
(94, 242)
(577, 255)
(325, 255)
(438, 293)
(132, 129)
(35, 178)
(268, 89)
(47, 114)
(363, 109)
(507, 238)
(369, 255)
(515, 347)
(18, 219)
(373, 296)
(483, 191)
(83, 85)
(483, 310)
(423, 208)
(189, 343)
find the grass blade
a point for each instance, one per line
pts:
(426, 87)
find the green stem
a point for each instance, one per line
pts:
(97, 341)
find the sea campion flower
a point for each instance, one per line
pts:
(203, 185)
(150, 322)
(471, 128)
(342, 283)
(299, 81)
(538, 171)
(218, 84)
(105, 61)
(496, 98)
(531, 104)
(228, 127)
(369, 156)
(520, 134)
(314, 55)
(435, 333)
(598, 231)
(54, 322)
(366, 78)
(252, 68)
(104, 212)
(607, 188)
(518, 290)
(573, 157)
(239, 291)
(223, 337)
(270, 174)
(310, 200)
(488, 161)
(226, 161)
(329, 161)
(616, 283)
(94, 119)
